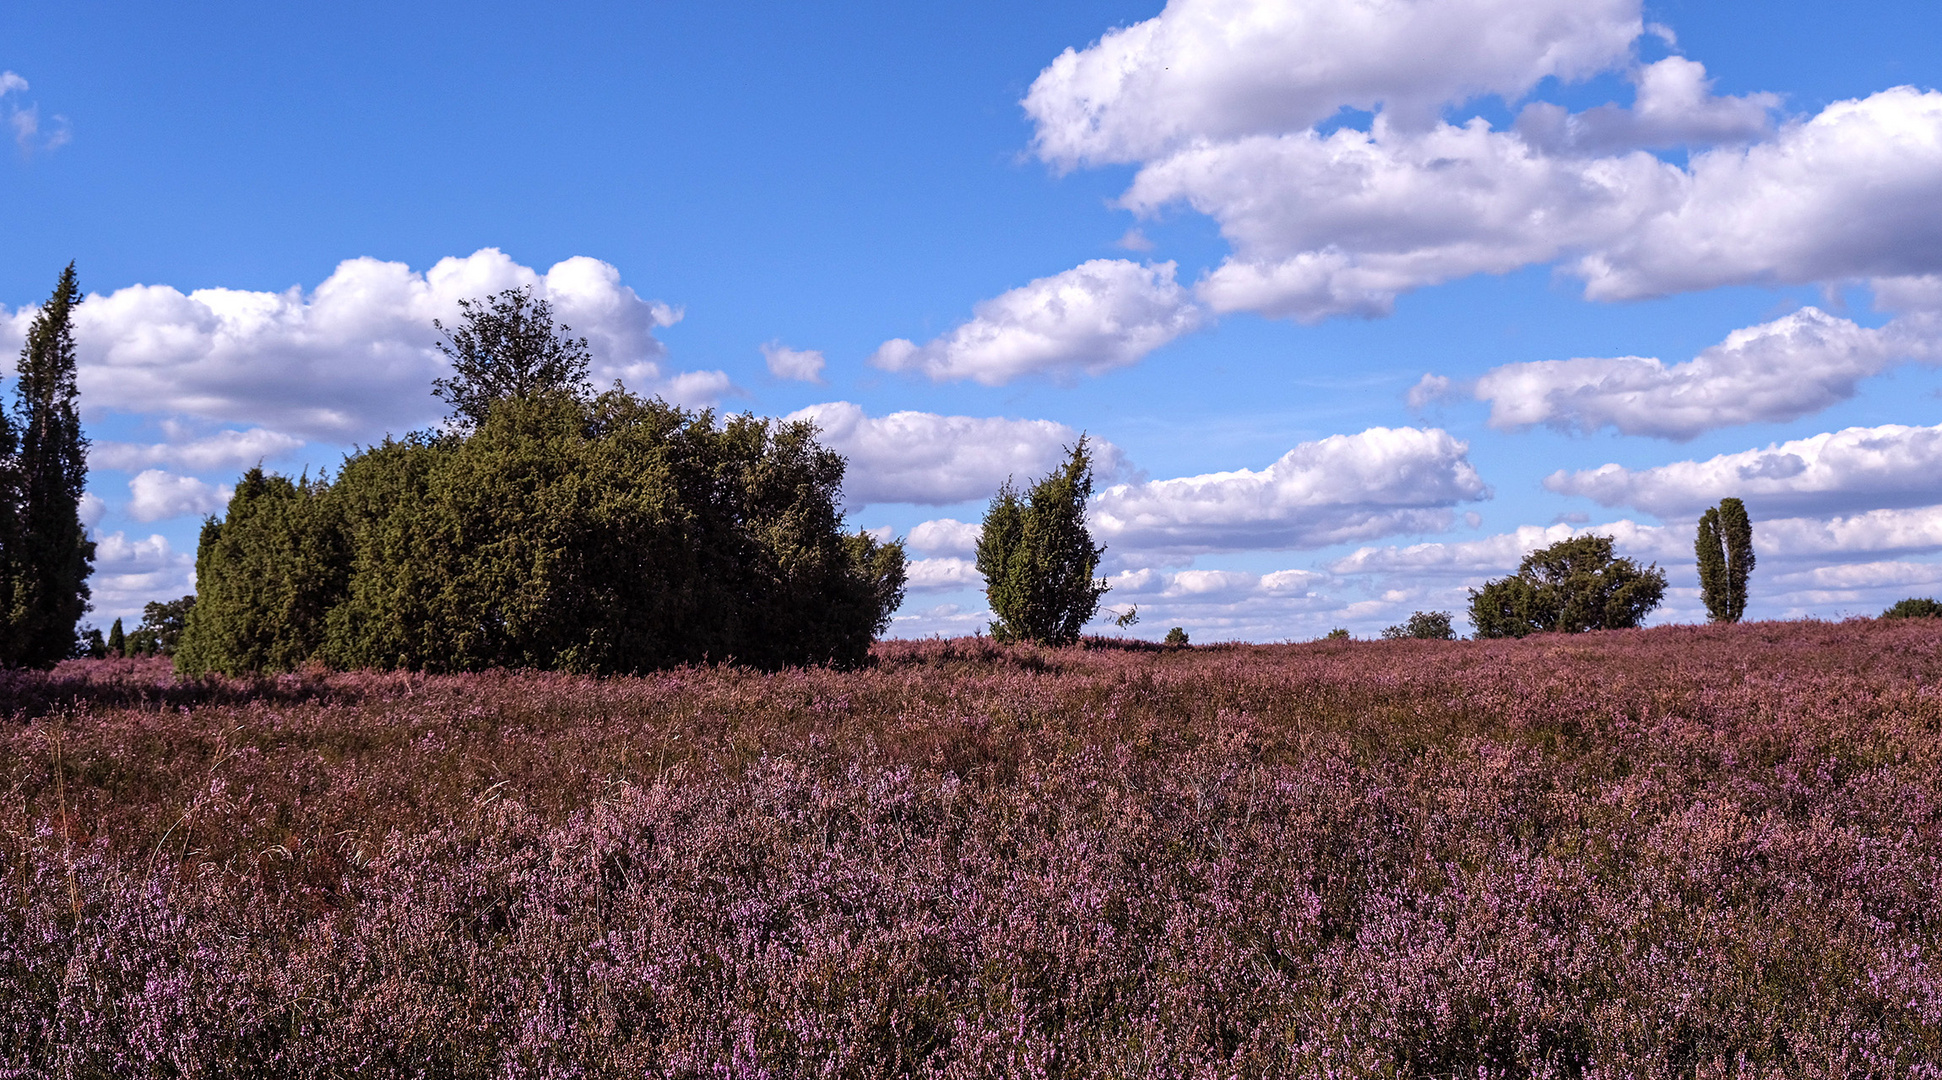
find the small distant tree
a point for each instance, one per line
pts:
(1914, 607)
(47, 553)
(507, 346)
(1177, 637)
(117, 642)
(1724, 546)
(1430, 625)
(1340, 633)
(1038, 559)
(1571, 586)
(164, 620)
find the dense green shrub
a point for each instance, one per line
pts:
(1430, 625)
(609, 534)
(1038, 558)
(1571, 586)
(1915, 607)
(1177, 636)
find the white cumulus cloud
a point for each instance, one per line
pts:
(1226, 107)
(1380, 482)
(945, 536)
(942, 574)
(1834, 472)
(1224, 69)
(1776, 371)
(934, 460)
(159, 494)
(129, 573)
(1100, 315)
(352, 358)
(802, 365)
(220, 450)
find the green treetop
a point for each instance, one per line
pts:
(1038, 559)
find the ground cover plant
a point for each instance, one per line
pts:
(1688, 851)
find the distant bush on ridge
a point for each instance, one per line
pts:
(1428, 625)
(1573, 585)
(1915, 607)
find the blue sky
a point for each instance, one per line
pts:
(1230, 239)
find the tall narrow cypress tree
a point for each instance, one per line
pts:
(50, 556)
(1724, 546)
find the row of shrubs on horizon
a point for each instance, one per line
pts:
(546, 526)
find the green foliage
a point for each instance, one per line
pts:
(162, 624)
(604, 535)
(1340, 633)
(506, 346)
(1128, 618)
(1038, 559)
(267, 574)
(1724, 546)
(45, 555)
(89, 644)
(1915, 607)
(117, 643)
(1431, 625)
(1176, 636)
(1571, 586)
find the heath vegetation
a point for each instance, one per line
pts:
(1683, 852)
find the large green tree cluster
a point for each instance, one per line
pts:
(45, 554)
(609, 535)
(545, 528)
(1573, 585)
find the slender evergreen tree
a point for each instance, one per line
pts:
(50, 555)
(117, 640)
(1038, 559)
(1724, 546)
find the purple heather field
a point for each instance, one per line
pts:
(1681, 852)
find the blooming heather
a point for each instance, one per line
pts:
(1688, 851)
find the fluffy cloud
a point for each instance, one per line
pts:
(1833, 472)
(945, 536)
(1841, 195)
(159, 494)
(1906, 531)
(1674, 106)
(802, 365)
(925, 458)
(1343, 223)
(1225, 69)
(1777, 371)
(1100, 315)
(1500, 554)
(1223, 104)
(1342, 488)
(221, 450)
(942, 574)
(351, 359)
(129, 573)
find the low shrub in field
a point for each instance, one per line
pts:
(1695, 851)
(1915, 607)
